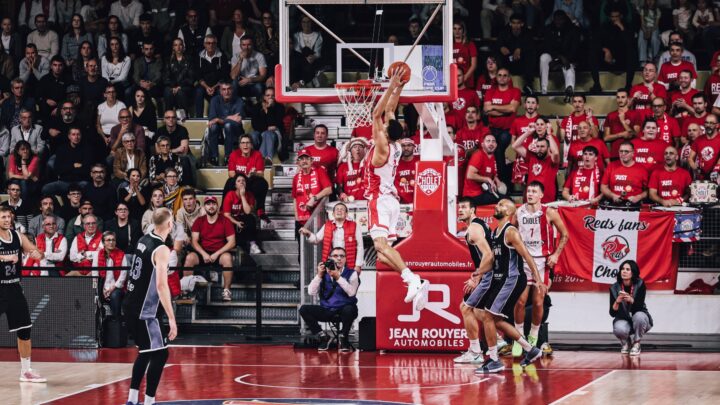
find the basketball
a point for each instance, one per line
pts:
(397, 65)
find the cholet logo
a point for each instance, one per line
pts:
(428, 181)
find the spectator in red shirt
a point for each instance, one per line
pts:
(583, 184)
(461, 160)
(464, 54)
(542, 163)
(218, 239)
(239, 208)
(681, 99)
(24, 166)
(452, 117)
(481, 181)
(473, 132)
(350, 173)
(488, 78)
(466, 97)
(712, 85)
(621, 124)
(670, 184)
(310, 185)
(693, 132)
(569, 124)
(670, 71)
(519, 126)
(649, 150)
(323, 154)
(704, 151)
(644, 93)
(364, 132)
(625, 181)
(500, 105)
(668, 127)
(405, 172)
(698, 113)
(245, 160)
(584, 139)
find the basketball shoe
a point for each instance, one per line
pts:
(32, 376)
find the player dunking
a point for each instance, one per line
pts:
(538, 227)
(477, 287)
(383, 204)
(12, 299)
(147, 291)
(508, 282)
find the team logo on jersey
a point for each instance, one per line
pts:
(707, 153)
(429, 181)
(536, 169)
(459, 104)
(615, 248)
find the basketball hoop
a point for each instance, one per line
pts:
(358, 100)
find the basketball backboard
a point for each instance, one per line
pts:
(359, 40)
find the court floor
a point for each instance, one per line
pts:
(279, 374)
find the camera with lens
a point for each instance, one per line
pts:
(330, 265)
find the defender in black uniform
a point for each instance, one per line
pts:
(12, 299)
(508, 282)
(148, 295)
(476, 288)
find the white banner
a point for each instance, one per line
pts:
(614, 243)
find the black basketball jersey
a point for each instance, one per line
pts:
(475, 252)
(13, 246)
(142, 299)
(506, 257)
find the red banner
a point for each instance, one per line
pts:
(600, 240)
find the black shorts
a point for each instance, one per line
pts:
(14, 304)
(149, 334)
(504, 293)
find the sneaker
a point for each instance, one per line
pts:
(226, 295)
(200, 281)
(469, 357)
(532, 340)
(569, 92)
(323, 342)
(421, 298)
(254, 248)
(546, 349)
(635, 351)
(531, 356)
(414, 285)
(345, 345)
(625, 347)
(31, 376)
(517, 350)
(491, 367)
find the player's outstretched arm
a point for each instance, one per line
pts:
(512, 237)
(29, 247)
(162, 260)
(477, 237)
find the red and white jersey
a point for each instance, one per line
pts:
(536, 231)
(381, 180)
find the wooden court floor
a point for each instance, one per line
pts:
(234, 375)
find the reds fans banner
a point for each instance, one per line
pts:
(600, 240)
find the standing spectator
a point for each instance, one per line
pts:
(405, 171)
(179, 78)
(193, 33)
(310, 185)
(340, 232)
(520, 125)
(705, 150)
(75, 224)
(617, 40)
(100, 193)
(644, 93)
(113, 30)
(239, 208)
(29, 132)
(116, 66)
(575, 152)
(179, 143)
(670, 71)
(323, 154)
(126, 157)
(126, 127)
(466, 98)
(649, 34)
(569, 124)
(190, 211)
(500, 105)
(668, 127)
(86, 246)
(147, 73)
(625, 181)
(267, 122)
(92, 88)
(132, 194)
(543, 162)
(52, 89)
(226, 114)
(71, 204)
(52, 244)
(12, 41)
(24, 167)
(47, 209)
(631, 319)
(112, 256)
(583, 183)
(248, 70)
(670, 185)
(46, 40)
(128, 12)
(214, 68)
(72, 165)
(23, 209)
(560, 48)
(75, 36)
(231, 40)
(107, 116)
(248, 162)
(516, 51)
(18, 101)
(126, 229)
(464, 54)
(33, 68)
(481, 182)
(648, 149)
(621, 124)
(349, 179)
(218, 239)
(162, 161)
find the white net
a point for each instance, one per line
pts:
(358, 100)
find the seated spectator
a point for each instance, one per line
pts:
(405, 171)
(323, 154)
(686, 55)
(126, 127)
(649, 34)
(127, 157)
(648, 149)
(12, 40)
(51, 244)
(4, 145)
(516, 51)
(705, 150)
(16, 102)
(72, 165)
(267, 122)
(644, 93)
(132, 194)
(30, 10)
(268, 40)
(22, 209)
(349, 179)
(112, 256)
(46, 40)
(696, 115)
(147, 73)
(309, 43)
(190, 210)
(24, 167)
(682, 19)
(560, 49)
(621, 124)
(584, 139)
(100, 193)
(172, 189)
(7, 69)
(302, 72)
(248, 70)
(76, 35)
(464, 54)
(474, 131)
(543, 159)
(670, 70)
(310, 185)
(86, 246)
(115, 66)
(239, 208)
(75, 224)
(583, 183)
(244, 160)
(146, 34)
(107, 115)
(669, 185)
(129, 13)
(693, 132)
(486, 81)
(705, 22)
(113, 29)
(680, 100)
(193, 33)
(625, 181)
(334, 302)
(29, 132)
(53, 85)
(218, 240)
(157, 200)
(179, 144)
(452, 118)
(179, 78)
(71, 203)
(712, 85)
(340, 232)
(668, 127)
(225, 118)
(213, 68)
(631, 319)
(481, 182)
(569, 124)
(58, 126)
(92, 88)
(47, 209)
(126, 229)
(78, 69)
(162, 161)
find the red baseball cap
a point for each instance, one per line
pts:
(303, 152)
(209, 199)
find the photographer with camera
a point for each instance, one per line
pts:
(336, 285)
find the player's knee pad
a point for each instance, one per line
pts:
(24, 333)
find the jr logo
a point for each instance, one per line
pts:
(436, 307)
